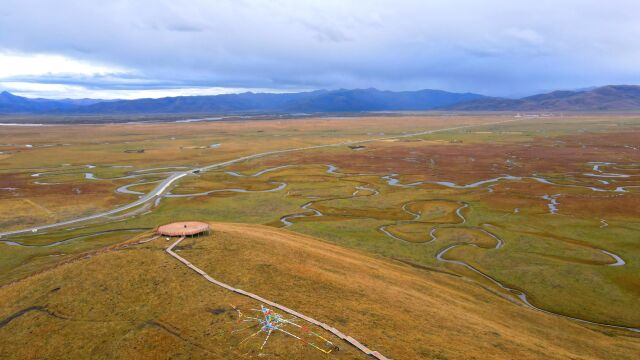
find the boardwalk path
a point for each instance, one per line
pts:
(329, 328)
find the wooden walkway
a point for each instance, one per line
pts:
(330, 329)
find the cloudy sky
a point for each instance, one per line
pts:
(154, 48)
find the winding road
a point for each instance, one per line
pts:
(159, 190)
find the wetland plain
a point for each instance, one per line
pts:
(523, 233)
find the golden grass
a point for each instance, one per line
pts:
(138, 302)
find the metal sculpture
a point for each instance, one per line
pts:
(268, 322)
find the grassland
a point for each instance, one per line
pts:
(549, 207)
(133, 301)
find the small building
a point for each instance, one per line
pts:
(184, 228)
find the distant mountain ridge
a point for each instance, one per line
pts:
(314, 101)
(342, 100)
(605, 98)
(10, 103)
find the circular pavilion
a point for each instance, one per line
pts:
(184, 228)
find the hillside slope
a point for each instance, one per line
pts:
(606, 98)
(138, 302)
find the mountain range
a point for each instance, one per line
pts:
(10, 103)
(606, 98)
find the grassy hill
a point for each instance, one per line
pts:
(133, 300)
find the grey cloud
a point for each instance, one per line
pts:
(497, 47)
